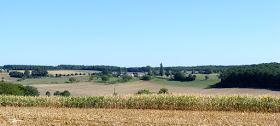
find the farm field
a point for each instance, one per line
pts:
(97, 87)
(90, 88)
(88, 116)
(199, 82)
(53, 72)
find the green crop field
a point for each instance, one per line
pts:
(199, 82)
(163, 102)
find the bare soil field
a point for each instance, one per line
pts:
(4, 75)
(87, 116)
(90, 88)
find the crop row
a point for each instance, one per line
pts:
(163, 102)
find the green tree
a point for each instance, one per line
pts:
(31, 91)
(72, 79)
(16, 74)
(163, 91)
(48, 93)
(39, 73)
(178, 76)
(167, 73)
(208, 71)
(149, 71)
(106, 72)
(161, 70)
(146, 77)
(120, 70)
(144, 92)
(65, 93)
(126, 78)
(57, 93)
(206, 77)
(26, 74)
(105, 78)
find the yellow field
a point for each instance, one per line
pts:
(86, 116)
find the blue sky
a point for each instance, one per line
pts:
(131, 33)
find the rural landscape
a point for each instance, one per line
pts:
(147, 63)
(161, 91)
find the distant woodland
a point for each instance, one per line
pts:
(215, 69)
(255, 76)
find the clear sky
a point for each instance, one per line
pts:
(131, 33)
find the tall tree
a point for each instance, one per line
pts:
(149, 71)
(161, 70)
(120, 70)
(26, 74)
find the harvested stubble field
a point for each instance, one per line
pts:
(94, 116)
(140, 110)
(91, 88)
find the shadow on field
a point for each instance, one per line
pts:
(221, 85)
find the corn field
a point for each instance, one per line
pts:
(162, 102)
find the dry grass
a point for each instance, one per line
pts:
(4, 75)
(86, 116)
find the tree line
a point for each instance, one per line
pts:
(200, 69)
(258, 76)
(34, 74)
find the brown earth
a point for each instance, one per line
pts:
(88, 116)
(90, 88)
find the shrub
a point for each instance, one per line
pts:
(163, 91)
(206, 77)
(65, 93)
(48, 93)
(2, 79)
(126, 78)
(178, 76)
(56, 93)
(105, 78)
(135, 75)
(91, 77)
(146, 77)
(72, 79)
(144, 92)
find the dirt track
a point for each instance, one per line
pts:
(89, 89)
